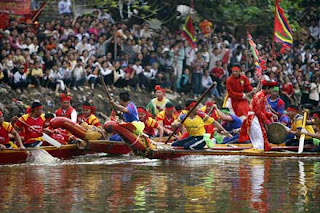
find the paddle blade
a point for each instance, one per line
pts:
(301, 143)
(50, 140)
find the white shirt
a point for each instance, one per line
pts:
(64, 6)
(17, 77)
(137, 69)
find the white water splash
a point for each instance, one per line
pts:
(40, 156)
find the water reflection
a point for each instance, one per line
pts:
(205, 184)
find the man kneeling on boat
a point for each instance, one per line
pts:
(254, 126)
(195, 127)
(5, 129)
(32, 125)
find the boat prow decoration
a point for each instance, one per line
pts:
(138, 143)
(74, 128)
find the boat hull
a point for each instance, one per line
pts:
(67, 151)
(276, 151)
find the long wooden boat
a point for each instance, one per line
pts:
(14, 156)
(143, 147)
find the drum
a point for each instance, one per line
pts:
(277, 133)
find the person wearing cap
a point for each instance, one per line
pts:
(297, 128)
(195, 127)
(157, 104)
(88, 115)
(5, 129)
(66, 110)
(253, 127)
(34, 119)
(237, 86)
(230, 122)
(166, 117)
(275, 103)
(151, 125)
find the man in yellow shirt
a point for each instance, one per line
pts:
(36, 74)
(195, 127)
(157, 104)
(296, 127)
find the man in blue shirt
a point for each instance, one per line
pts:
(231, 123)
(276, 104)
(129, 109)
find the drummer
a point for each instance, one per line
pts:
(296, 127)
(5, 129)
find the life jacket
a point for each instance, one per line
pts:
(64, 113)
(5, 129)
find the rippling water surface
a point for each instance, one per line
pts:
(98, 183)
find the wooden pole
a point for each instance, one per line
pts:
(188, 114)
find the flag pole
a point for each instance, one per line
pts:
(273, 43)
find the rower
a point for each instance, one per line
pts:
(33, 119)
(152, 128)
(195, 127)
(157, 104)
(129, 110)
(315, 136)
(66, 110)
(166, 117)
(211, 111)
(5, 129)
(296, 127)
(88, 115)
(230, 122)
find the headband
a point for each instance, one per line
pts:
(290, 109)
(315, 115)
(64, 97)
(235, 69)
(191, 105)
(209, 103)
(158, 87)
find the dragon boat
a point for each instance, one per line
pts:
(145, 147)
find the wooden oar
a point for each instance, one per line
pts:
(46, 137)
(108, 95)
(189, 112)
(302, 136)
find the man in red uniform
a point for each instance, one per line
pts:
(237, 85)
(166, 117)
(66, 110)
(34, 119)
(88, 115)
(150, 124)
(253, 127)
(5, 129)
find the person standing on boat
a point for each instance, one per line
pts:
(5, 129)
(166, 117)
(66, 110)
(129, 110)
(152, 128)
(157, 104)
(88, 115)
(237, 86)
(296, 127)
(33, 119)
(254, 126)
(230, 122)
(195, 127)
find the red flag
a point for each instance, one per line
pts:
(188, 32)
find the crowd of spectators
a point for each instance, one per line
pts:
(72, 53)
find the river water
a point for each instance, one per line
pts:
(99, 183)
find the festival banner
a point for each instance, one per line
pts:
(282, 30)
(15, 7)
(259, 62)
(188, 32)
